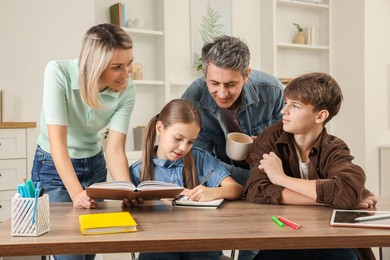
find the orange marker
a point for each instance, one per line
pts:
(289, 222)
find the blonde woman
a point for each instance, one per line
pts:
(81, 97)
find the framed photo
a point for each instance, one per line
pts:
(209, 19)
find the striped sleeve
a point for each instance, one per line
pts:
(54, 97)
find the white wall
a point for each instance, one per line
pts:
(376, 83)
(32, 33)
(361, 60)
(348, 70)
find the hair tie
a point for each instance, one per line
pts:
(157, 116)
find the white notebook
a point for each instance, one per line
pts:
(183, 201)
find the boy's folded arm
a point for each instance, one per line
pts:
(344, 189)
(290, 197)
(259, 189)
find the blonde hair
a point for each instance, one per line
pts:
(99, 46)
(176, 111)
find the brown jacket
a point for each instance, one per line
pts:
(340, 183)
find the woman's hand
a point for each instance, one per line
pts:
(82, 200)
(133, 202)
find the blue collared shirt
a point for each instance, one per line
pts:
(262, 101)
(172, 171)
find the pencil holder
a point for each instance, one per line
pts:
(23, 221)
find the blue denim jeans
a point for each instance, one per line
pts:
(88, 171)
(208, 255)
(308, 254)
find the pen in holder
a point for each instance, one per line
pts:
(29, 222)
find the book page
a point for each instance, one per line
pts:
(115, 185)
(157, 185)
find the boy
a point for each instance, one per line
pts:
(296, 161)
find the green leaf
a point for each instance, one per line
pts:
(210, 28)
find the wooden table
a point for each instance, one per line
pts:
(236, 225)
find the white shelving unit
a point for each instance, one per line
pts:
(285, 59)
(153, 91)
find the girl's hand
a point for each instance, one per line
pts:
(201, 193)
(82, 200)
(133, 202)
(272, 166)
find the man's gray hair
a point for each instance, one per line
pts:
(227, 52)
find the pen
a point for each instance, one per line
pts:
(206, 178)
(21, 190)
(30, 188)
(289, 222)
(37, 191)
(277, 221)
(374, 217)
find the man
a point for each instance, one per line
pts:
(232, 98)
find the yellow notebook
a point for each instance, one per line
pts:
(106, 223)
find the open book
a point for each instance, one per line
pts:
(184, 202)
(118, 190)
(106, 223)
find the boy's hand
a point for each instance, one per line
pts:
(272, 166)
(368, 202)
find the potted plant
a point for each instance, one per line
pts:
(299, 37)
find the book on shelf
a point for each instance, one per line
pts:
(360, 218)
(123, 15)
(184, 202)
(117, 14)
(107, 223)
(310, 35)
(118, 190)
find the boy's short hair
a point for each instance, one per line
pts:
(317, 89)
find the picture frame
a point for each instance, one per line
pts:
(209, 19)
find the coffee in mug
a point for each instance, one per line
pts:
(238, 145)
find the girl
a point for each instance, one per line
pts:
(174, 161)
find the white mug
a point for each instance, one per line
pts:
(238, 145)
